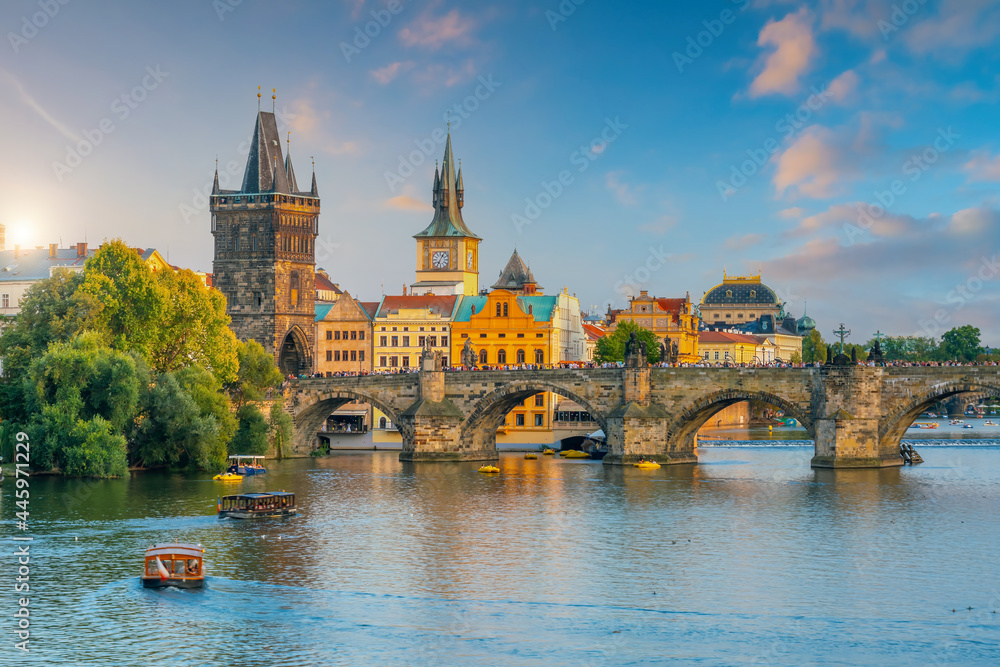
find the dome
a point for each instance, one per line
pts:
(740, 292)
(805, 323)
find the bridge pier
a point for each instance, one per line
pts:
(432, 427)
(847, 432)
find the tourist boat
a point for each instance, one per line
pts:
(574, 454)
(646, 465)
(930, 425)
(988, 422)
(489, 470)
(228, 477)
(257, 505)
(548, 452)
(531, 455)
(246, 465)
(177, 564)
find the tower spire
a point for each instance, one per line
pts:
(258, 99)
(215, 186)
(274, 98)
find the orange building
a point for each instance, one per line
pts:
(672, 319)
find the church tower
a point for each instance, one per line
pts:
(265, 260)
(447, 252)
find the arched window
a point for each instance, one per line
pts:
(381, 422)
(482, 356)
(505, 309)
(539, 357)
(253, 242)
(502, 357)
(520, 356)
(293, 289)
(498, 309)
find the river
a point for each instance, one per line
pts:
(748, 557)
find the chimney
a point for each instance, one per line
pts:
(81, 249)
(17, 251)
(53, 249)
(644, 294)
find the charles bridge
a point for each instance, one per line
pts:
(856, 415)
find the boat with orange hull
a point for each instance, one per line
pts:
(179, 564)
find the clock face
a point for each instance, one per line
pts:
(440, 259)
(469, 261)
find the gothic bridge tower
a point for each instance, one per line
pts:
(265, 258)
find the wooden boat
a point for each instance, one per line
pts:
(531, 455)
(489, 470)
(257, 505)
(177, 564)
(241, 464)
(228, 477)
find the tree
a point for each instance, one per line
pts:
(132, 300)
(257, 373)
(961, 344)
(611, 348)
(174, 430)
(813, 348)
(194, 328)
(280, 428)
(251, 433)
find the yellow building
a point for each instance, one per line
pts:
(344, 336)
(673, 320)
(401, 325)
(721, 347)
(447, 251)
(738, 300)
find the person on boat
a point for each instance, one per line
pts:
(192, 568)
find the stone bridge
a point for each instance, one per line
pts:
(856, 415)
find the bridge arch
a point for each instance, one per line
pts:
(314, 408)
(893, 426)
(488, 413)
(694, 415)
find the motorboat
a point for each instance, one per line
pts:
(256, 505)
(228, 477)
(241, 464)
(489, 470)
(179, 564)
(956, 422)
(926, 425)
(530, 456)
(968, 426)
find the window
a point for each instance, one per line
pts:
(498, 309)
(502, 357)
(354, 335)
(381, 422)
(729, 316)
(716, 356)
(406, 362)
(505, 310)
(336, 355)
(421, 329)
(444, 328)
(383, 328)
(336, 335)
(329, 355)
(354, 355)
(520, 356)
(434, 341)
(432, 329)
(482, 335)
(444, 362)
(519, 420)
(540, 401)
(420, 341)
(394, 329)
(482, 357)
(520, 335)
(344, 335)
(294, 289)
(382, 360)
(258, 299)
(706, 355)
(406, 341)
(539, 335)
(406, 328)
(394, 361)
(539, 357)
(465, 335)
(444, 341)
(753, 293)
(729, 292)
(382, 342)
(329, 335)
(539, 420)
(361, 335)
(395, 341)
(502, 336)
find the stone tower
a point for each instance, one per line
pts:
(265, 260)
(447, 252)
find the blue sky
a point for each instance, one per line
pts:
(848, 150)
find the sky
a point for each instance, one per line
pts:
(846, 149)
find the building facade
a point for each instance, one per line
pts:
(722, 347)
(264, 263)
(403, 324)
(672, 320)
(343, 336)
(738, 300)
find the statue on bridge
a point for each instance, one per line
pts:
(875, 354)
(430, 360)
(469, 357)
(635, 352)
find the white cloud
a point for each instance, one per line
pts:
(386, 74)
(794, 47)
(983, 167)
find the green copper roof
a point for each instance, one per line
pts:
(448, 193)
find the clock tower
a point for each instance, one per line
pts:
(447, 252)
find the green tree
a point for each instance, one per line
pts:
(921, 348)
(961, 344)
(206, 390)
(174, 431)
(194, 328)
(251, 432)
(611, 348)
(132, 300)
(280, 428)
(257, 373)
(813, 348)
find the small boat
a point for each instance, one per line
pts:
(548, 452)
(241, 464)
(530, 456)
(925, 425)
(968, 426)
(956, 422)
(988, 422)
(574, 454)
(228, 477)
(256, 505)
(489, 470)
(177, 564)
(646, 465)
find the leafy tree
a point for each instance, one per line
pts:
(921, 348)
(611, 348)
(133, 301)
(796, 357)
(206, 390)
(93, 449)
(194, 328)
(961, 344)
(257, 373)
(813, 348)
(251, 433)
(280, 428)
(174, 430)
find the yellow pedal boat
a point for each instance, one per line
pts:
(548, 452)
(490, 470)
(574, 454)
(228, 477)
(530, 456)
(647, 465)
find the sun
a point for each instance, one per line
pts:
(21, 233)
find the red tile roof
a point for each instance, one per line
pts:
(725, 337)
(593, 332)
(369, 307)
(323, 283)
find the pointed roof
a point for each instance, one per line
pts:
(447, 213)
(290, 173)
(262, 174)
(515, 275)
(215, 187)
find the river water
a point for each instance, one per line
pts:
(749, 557)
